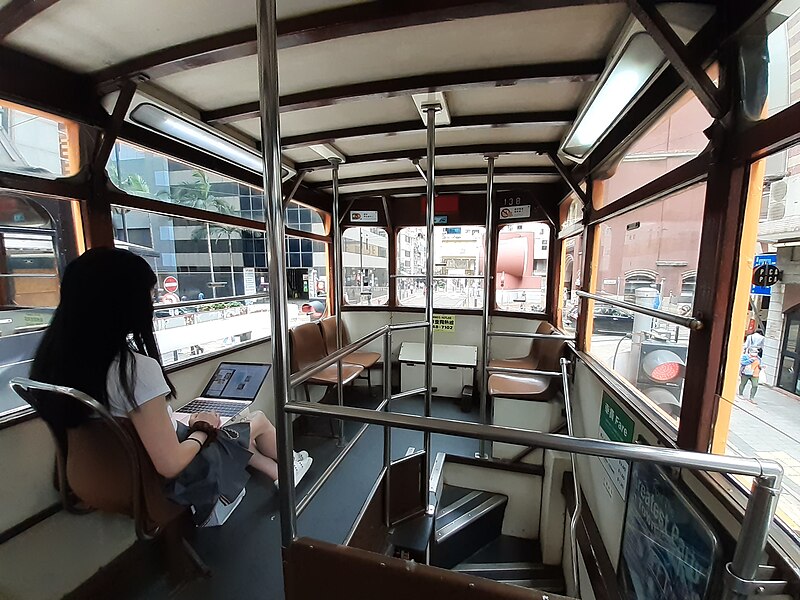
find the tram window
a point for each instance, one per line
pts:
(365, 260)
(34, 143)
(141, 172)
(644, 257)
(759, 407)
(572, 268)
(37, 239)
(197, 261)
(675, 138)
(458, 266)
(783, 48)
(303, 218)
(521, 268)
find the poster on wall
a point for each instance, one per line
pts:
(668, 550)
(444, 323)
(615, 426)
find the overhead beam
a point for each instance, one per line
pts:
(453, 188)
(363, 18)
(549, 118)
(479, 149)
(18, 12)
(440, 173)
(578, 71)
(687, 66)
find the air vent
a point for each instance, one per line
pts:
(777, 200)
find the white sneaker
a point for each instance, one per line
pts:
(302, 455)
(301, 466)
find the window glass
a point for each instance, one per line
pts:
(37, 239)
(196, 261)
(521, 269)
(144, 173)
(676, 138)
(33, 143)
(365, 259)
(458, 266)
(645, 257)
(303, 218)
(571, 281)
(759, 407)
(306, 268)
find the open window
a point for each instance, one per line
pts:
(523, 252)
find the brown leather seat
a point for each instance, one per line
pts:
(545, 356)
(539, 347)
(365, 359)
(308, 348)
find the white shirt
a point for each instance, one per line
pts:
(149, 384)
(754, 340)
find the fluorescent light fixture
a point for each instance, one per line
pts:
(185, 131)
(421, 100)
(634, 64)
(640, 61)
(328, 152)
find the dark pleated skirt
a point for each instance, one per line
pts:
(216, 473)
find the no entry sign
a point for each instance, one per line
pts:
(170, 284)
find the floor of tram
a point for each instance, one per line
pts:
(244, 554)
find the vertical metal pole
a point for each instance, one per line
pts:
(752, 536)
(430, 112)
(573, 524)
(270, 135)
(387, 431)
(487, 250)
(338, 293)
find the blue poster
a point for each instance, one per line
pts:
(763, 259)
(668, 550)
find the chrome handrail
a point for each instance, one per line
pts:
(531, 336)
(573, 523)
(509, 371)
(334, 357)
(404, 326)
(689, 322)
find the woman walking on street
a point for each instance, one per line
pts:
(749, 371)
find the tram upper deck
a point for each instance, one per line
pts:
(609, 168)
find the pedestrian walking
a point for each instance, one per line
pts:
(749, 371)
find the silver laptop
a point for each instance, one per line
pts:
(231, 390)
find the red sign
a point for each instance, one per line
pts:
(170, 284)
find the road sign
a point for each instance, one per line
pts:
(170, 284)
(765, 274)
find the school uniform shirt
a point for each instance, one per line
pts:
(148, 383)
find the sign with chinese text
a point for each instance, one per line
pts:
(363, 216)
(522, 211)
(444, 323)
(765, 274)
(615, 426)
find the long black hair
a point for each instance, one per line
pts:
(105, 313)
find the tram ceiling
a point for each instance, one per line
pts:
(18, 12)
(336, 23)
(440, 173)
(545, 190)
(578, 71)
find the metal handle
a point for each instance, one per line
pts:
(689, 322)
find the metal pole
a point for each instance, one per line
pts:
(338, 275)
(387, 431)
(487, 249)
(752, 540)
(270, 135)
(430, 112)
(573, 524)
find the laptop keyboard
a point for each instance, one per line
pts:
(224, 409)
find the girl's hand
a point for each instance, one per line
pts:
(210, 417)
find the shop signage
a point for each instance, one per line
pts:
(765, 274)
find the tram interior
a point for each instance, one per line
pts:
(453, 201)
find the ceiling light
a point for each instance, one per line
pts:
(185, 131)
(432, 98)
(328, 152)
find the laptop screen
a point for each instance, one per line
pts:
(236, 381)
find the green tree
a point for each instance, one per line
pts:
(133, 184)
(197, 194)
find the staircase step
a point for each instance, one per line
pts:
(488, 502)
(547, 578)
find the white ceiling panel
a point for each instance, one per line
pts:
(504, 160)
(452, 137)
(87, 35)
(558, 95)
(215, 86)
(301, 155)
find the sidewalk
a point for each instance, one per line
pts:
(771, 429)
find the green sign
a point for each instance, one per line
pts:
(615, 426)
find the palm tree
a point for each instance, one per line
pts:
(198, 195)
(133, 184)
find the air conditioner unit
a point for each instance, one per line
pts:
(784, 199)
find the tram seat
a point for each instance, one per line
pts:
(539, 349)
(365, 359)
(344, 573)
(101, 462)
(308, 348)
